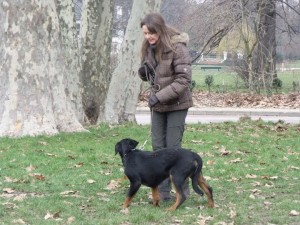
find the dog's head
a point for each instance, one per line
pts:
(124, 146)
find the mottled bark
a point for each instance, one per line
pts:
(264, 60)
(96, 31)
(33, 71)
(67, 26)
(125, 84)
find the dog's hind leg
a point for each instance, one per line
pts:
(207, 190)
(177, 182)
(134, 187)
(155, 196)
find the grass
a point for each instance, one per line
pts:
(253, 168)
(226, 80)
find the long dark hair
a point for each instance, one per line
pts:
(156, 24)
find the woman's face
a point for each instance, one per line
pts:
(150, 37)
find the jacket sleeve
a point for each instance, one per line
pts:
(182, 75)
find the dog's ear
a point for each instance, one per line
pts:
(124, 146)
(132, 143)
(118, 148)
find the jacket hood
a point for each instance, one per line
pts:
(180, 38)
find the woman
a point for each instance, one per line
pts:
(167, 67)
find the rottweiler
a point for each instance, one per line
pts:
(150, 168)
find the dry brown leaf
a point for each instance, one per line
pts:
(252, 196)
(113, 184)
(203, 220)
(125, 211)
(236, 160)
(48, 216)
(234, 179)
(38, 176)
(197, 142)
(43, 143)
(68, 192)
(210, 162)
(71, 220)
(10, 180)
(90, 181)
(78, 165)
(251, 176)
(294, 213)
(30, 168)
(294, 167)
(19, 221)
(8, 190)
(223, 151)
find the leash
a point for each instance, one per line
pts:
(150, 79)
(150, 132)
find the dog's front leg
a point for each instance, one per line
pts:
(134, 187)
(155, 196)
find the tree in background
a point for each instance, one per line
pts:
(95, 39)
(125, 84)
(252, 24)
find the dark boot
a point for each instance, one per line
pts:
(164, 190)
(186, 188)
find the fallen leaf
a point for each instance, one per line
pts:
(37, 176)
(57, 214)
(113, 184)
(90, 181)
(234, 179)
(71, 220)
(210, 162)
(251, 176)
(43, 143)
(294, 167)
(8, 190)
(268, 203)
(51, 155)
(10, 180)
(252, 196)
(223, 151)
(197, 141)
(255, 191)
(203, 220)
(256, 184)
(78, 165)
(30, 168)
(68, 192)
(294, 213)
(19, 221)
(125, 211)
(48, 216)
(236, 160)
(71, 157)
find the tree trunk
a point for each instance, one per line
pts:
(265, 54)
(125, 84)
(67, 26)
(33, 98)
(96, 27)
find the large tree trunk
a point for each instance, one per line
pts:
(265, 54)
(125, 84)
(67, 26)
(96, 33)
(33, 71)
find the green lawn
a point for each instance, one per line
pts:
(253, 168)
(226, 80)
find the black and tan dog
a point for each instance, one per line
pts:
(151, 168)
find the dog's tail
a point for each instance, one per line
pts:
(195, 177)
